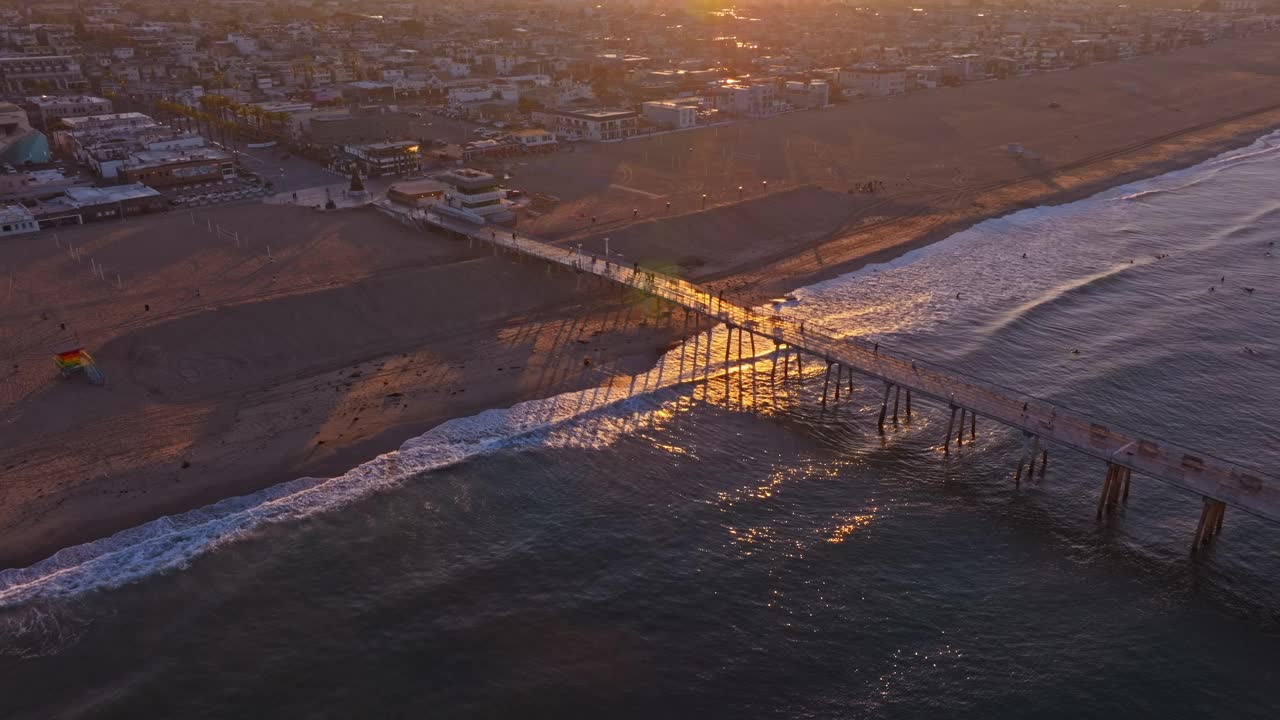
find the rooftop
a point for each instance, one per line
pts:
(51, 99)
(102, 195)
(598, 114)
(396, 145)
(14, 214)
(151, 158)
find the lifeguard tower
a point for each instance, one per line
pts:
(76, 360)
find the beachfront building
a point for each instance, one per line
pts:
(167, 168)
(495, 147)
(535, 139)
(417, 193)
(475, 196)
(79, 205)
(28, 185)
(597, 125)
(671, 114)
(812, 94)
(872, 80)
(753, 98)
(16, 220)
(968, 66)
(384, 158)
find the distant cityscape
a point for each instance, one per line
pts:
(127, 108)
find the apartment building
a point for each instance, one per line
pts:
(670, 114)
(47, 109)
(24, 75)
(756, 98)
(596, 125)
(872, 80)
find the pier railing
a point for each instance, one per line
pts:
(1214, 478)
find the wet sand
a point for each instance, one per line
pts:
(230, 369)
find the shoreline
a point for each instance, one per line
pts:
(565, 331)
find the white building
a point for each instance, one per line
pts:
(871, 80)
(483, 92)
(813, 94)
(670, 114)
(16, 220)
(751, 99)
(475, 195)
(535, 139)
(594, 125)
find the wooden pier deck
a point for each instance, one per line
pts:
(1219, 482)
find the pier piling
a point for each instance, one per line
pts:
(1106, 490)
(884, 407)
(825, 383)
(1035, 450)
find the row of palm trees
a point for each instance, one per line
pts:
(220, 119)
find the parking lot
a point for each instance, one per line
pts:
(213, 193)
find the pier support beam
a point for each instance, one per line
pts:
(908, 397)
(897, 395)
(946, 443)
(884, 407)
(960, 433)
(1114, 489)
(1106, 490)
(973, 427)
(839, 370)
(826, 383)
(1022, 461)
(1044, 465)
(1035, 450)
(1210, 523)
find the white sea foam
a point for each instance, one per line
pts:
(169, 543)
(906, 296)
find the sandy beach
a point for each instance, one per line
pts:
(298, 342)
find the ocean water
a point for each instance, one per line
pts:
(703, 540)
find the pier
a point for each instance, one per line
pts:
(1220, 483)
